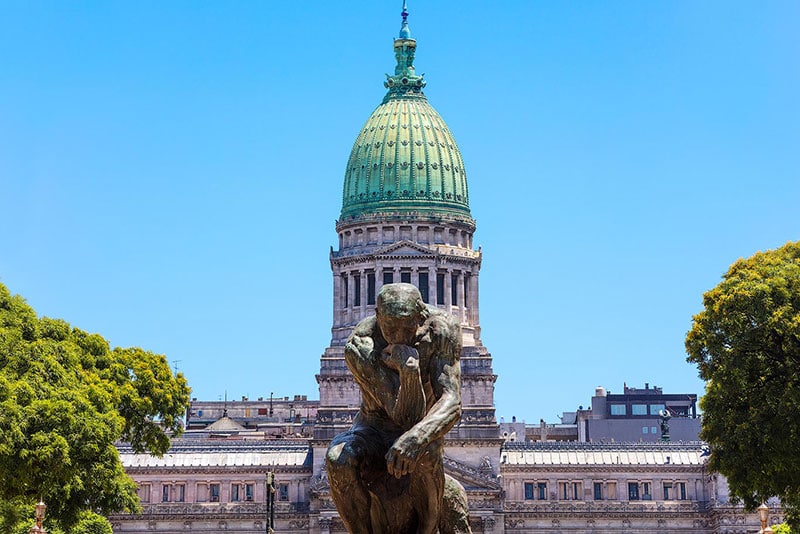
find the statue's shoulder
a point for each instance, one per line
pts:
(443, 327)
(362, 340)
(365, 328)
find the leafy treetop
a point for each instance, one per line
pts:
(66, 398)
(746, 344)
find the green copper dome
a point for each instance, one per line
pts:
(405, 160)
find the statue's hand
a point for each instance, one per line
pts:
(402, 458)
(398, 357)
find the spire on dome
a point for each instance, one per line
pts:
(405, 32)
(405, 81)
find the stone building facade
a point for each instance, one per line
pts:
(405, 217)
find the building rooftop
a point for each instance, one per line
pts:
(575, 453)
(210, 453)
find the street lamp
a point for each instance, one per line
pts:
(763, 515)
(38, 528)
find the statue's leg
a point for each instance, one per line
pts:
(344, 459)
(427, 488)
(455, 508)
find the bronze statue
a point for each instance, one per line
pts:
(386, 472)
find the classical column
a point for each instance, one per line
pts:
(459, 296)
(362, 277)
(473, 299)
(337, 299)
(432, 289)
(351, 295)
(448, 280)
(378, 278)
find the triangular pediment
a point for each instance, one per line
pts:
(404, 248)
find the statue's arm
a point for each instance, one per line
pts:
(409, 406)
(443, 415)
(376, 382)
(446, 411)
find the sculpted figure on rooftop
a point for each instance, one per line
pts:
(386, 472)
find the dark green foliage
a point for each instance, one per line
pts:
(746, 344)
(66, 397)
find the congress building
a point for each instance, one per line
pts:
(405, 217)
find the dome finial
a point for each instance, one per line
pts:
(405, 32)
(405, 81)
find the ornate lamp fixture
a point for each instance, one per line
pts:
(38, 528)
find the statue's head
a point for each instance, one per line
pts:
(400, 312)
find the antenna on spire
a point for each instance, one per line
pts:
(405, 32)
(225, 406)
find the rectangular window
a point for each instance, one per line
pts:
(405, 277)
(667, 491)
(639, 409)
(529, 491)
(180, 493)
(283, 492)
(655, 408)
(633, 491)
(681, 490)
(618, 409)
(542, 491)
(356, 290)
(645, 429)
(611, 491)
(576, 491)
(164, 493)
(466, 288)
(598, 491)
(248, 492)
(454, 290)
(423, 286)
(646, 495)
(653, 430)
(370, 289)
(388, 277)
(345, 291)
(213, 492)
(440, 288)
(234, 492)
(144, 493)
(564, 487)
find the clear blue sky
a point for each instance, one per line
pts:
(170, 174)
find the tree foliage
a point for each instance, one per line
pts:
(66, 398)
(746, 344)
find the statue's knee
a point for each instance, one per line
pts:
(340, 457)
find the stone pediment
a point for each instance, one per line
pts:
(405, 248)
(470, 477)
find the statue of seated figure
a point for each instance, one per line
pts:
(386, 472)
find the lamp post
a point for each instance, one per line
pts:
(38, 528)
(270, 486)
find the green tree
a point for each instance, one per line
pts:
(66, 398)
(746, 344)
(783, 528)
